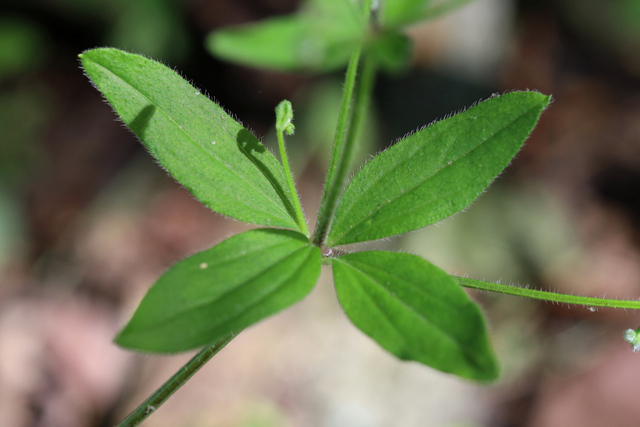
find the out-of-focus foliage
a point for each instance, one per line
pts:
(23, 112)
(319, 38)
(151, 27)
(612, 26)
(22, 46)
(23, 107)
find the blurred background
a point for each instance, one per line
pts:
(88, 222)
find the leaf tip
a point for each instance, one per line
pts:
(122, 340)
(489, 373)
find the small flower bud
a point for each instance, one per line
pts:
(633, 338)
(284, 117)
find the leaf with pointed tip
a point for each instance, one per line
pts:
(212, 155)
(223, 290)
(416, 311)
(318, 38)
(435, 172)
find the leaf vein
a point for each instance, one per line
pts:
(199, 145)
(420, 183)
(404, 304)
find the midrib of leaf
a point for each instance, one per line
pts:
(197, 144)
(436, 172)
(380, 310)
(253, 208)
(223, 295)
(409, 308)
(277, 288)
(243, 254)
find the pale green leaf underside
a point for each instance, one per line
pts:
(319, 38)
(222, 290)
(435, 172)
(416, 311)
(221, 163)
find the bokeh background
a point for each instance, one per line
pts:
(88, 222)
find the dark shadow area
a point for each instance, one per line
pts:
(140, 123)
(249, 145)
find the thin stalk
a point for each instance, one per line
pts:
(364, 91)
(178, 379)
(362, 100)
(302, 222)
(335, 182)
(331, 190)
(547, 296)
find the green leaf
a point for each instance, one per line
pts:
(416, 311)
(156, 28)
(392, 51)
(444, 7)
(211, 154)
(273, 43)
(397, 13)
(222, 290)
(319, 38)
(435, 172)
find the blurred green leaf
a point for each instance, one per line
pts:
(223, 290)
(397, 13)
(442, 7)
(392, 51)
(22, 46)
(415, 311)
(24, 112)
(319, 38)
(400, 13)
(203, 148)
(435, 172)
(274, 43)
(151, 27)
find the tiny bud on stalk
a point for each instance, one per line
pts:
(633, 338)
(284, 117)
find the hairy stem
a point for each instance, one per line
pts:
(302, 222)
(331, 188)
(362, 100)
(342, 144)
(178, 379)
(547, 296)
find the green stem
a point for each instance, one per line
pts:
(167, 389)
(342, 150)
(331, 188)
(364, 89)
(302, 222)
(547, 296)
